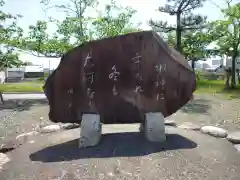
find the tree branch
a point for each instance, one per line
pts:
(161, 25)
(192, 28)
(167, 9)
(186, 5)
(65, 7)
(191, 8)
(180, 6)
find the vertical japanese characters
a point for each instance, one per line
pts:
(70, 93)
(136, 60)
(114, 77)
(159, 84)
(89, 76)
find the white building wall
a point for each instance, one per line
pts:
(15, 73)
(2, 77)
(34, 68)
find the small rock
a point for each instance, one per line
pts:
(189, 126)
(70, 126)
(234, 137)
(110, 174)
(237, 146)
(170, 122)
(3, 159)
(10, 145)
(23, 137)
(50, 128)
(20, 103)
(214, 131)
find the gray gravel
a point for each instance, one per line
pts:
(20, 116)
(124, 154)
(185, 155)
(215, 110)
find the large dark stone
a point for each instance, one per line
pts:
(121, 78)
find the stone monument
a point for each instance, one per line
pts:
(132, 78)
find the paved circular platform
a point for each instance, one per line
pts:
(124, 154)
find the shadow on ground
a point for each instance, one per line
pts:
(112, 145)
(197, 106)
(22, 104)
(236, 96)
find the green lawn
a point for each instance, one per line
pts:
(217, 87)
(34, 86)
(203, 86)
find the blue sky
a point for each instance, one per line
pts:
(33, 11)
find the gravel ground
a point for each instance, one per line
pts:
(128, 155)
(21, 116)
(25, 115)
(124, 154)
(208, 109)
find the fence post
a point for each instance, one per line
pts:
(1, 96)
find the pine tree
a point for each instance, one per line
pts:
(186, 20)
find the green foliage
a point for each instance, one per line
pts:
(227, 31)
(186, 20)
(39, 43)
(9, 59)
(76, 28)
(107, 25)
(194, 43)
(227, 34)
(9, 35)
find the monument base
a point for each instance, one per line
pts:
(154, 128)
(91, 130)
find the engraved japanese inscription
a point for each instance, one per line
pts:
(120, 78)
(114, 77)
(89, 76)
(136, 60)
(160, 83)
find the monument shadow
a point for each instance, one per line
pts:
(127, 144)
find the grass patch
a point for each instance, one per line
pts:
(203, 86)
(33, 86)
(217, 87)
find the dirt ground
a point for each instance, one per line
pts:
(23, 116)
(123, 153)
(207, 109)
